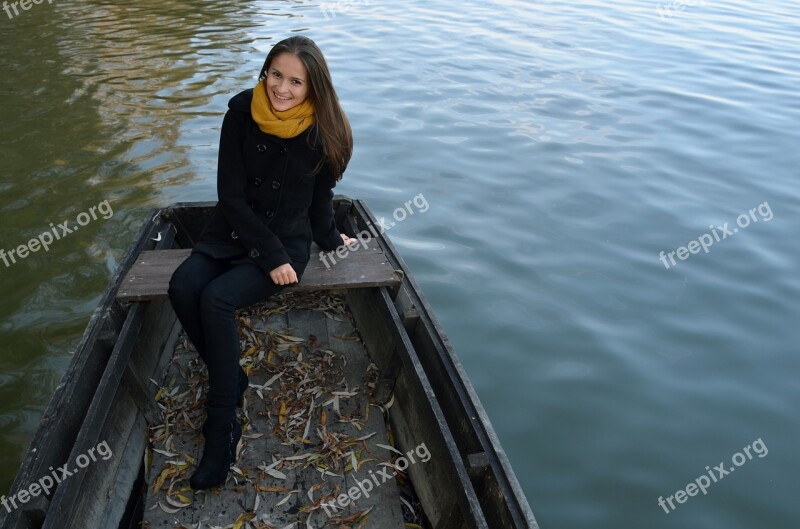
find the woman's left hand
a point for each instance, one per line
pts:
(347, 240)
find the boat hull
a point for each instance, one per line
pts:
(106, 395)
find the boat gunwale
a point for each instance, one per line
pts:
(460, 382)
(55, 437)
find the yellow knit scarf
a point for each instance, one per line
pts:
(283, 124)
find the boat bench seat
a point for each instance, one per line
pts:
(361, 267)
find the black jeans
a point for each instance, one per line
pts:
(205, 292)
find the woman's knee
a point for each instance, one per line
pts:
(177, 284)
(215, 297)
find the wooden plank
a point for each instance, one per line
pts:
(105, 485)
(499, 490)
(309, 325)
(116, 417)
(444, 487)
(62, 420)
(149, 359)
(182, 440)
(120, 485)
(384, 499)
(365, 266)
(64, 506)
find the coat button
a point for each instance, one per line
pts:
(276, 184)
(261, 147)
(269, 213)
(233, 235)
(257, 182)
(284, 150)
(254, 253)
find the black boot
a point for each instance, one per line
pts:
(222, 431)
(244, 382)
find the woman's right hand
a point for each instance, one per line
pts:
(283, 275)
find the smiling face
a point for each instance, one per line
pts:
(286, 82)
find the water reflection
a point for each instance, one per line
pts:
(97, 105)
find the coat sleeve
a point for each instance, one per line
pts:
(323, 227)
(263, 246)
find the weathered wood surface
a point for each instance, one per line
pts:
(499, 492)
(443, 485)
(62, 423)
(459, 428)
(315, 365)
(364, 265)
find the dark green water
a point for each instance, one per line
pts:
(560, 146)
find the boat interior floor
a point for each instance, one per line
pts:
(312, 431)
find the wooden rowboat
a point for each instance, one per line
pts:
(113, 391)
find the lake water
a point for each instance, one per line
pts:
(561, 146)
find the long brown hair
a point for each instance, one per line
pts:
(331, 121)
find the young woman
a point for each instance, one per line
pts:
(283, 147)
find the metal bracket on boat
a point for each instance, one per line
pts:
(410, 319)
(477, 464)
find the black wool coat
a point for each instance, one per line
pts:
(270, 207)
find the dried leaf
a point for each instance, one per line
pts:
(282, 413)
(177, 504)
(243, 519)
(162, 477)
(393, 449)
(276, 473)
(167, 509)
(284, 500)
(269, 488)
